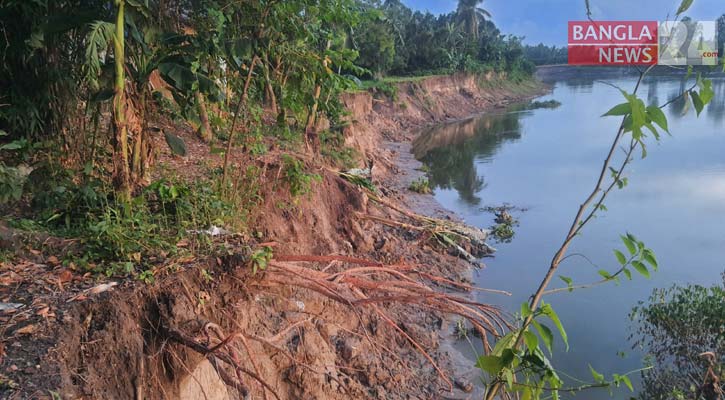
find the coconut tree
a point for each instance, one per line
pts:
(470, 15)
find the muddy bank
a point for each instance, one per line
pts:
(383, 128)
(317, 322)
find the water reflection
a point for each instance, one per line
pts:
(450, 151)
(544, 161)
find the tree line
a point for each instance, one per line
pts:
(397, 40)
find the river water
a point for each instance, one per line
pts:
(545, 162)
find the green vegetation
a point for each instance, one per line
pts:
(299, 181)
(420, 185)
(85, 85)
(395, 40)
(542, 54)
(681, 331)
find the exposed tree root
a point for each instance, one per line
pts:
(364, 284)
(229, 358)
(372, 285)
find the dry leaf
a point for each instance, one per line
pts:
(26, 330)
(52, 261)
(65, 276)
(80, 297)
(186, 260)
(102, 287)
(182, 243)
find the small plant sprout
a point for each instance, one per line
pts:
(260, 259)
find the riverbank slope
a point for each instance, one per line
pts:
(319, 319)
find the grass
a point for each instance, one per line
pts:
(420, 185)
(123, 240)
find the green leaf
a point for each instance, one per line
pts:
(658, 117)
(653, 130)
(176, 144)
(3, 133)
(545, 334)
(507, 357)
(599, 378)
(641, 268)
(706, 93)
(697, 102)
(619, 109)
(627, 273)
(684, 6)
(525, 310)
(649, 257)
(491, 364)
(639, 114)
(549, 312)
(504, 343)
(14, 145)
(100, 35)
(631, 247)
(604, 274)
(627, 382)
(568, 281)
(532, 342)
(620, 257)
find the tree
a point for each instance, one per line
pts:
(375, 43)
(121, 169)
(470, 15)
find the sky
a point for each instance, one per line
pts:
(546, 20)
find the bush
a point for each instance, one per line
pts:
(675, 327)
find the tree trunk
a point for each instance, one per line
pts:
(205, 132)
(310, 131)
(312, 117)
(271, 97)
(121, 173)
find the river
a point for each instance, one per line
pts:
(545, 162)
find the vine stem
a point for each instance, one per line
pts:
(577, 224)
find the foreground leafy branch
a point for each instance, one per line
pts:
(519, 354)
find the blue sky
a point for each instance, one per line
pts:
(546, 20)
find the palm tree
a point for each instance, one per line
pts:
(470, 15)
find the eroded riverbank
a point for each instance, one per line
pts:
(304, 337)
